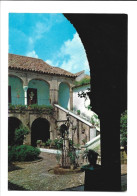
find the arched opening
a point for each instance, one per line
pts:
(106, 93)
(40, 131)
(64, 95)
(16, 92)
(13, 124)
(38, 92)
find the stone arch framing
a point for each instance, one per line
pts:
(40, 130)
(43, 90)
(16, 75)
(64, 81)
(17, 92)
(39, 78)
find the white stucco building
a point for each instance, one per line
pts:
(82, 105)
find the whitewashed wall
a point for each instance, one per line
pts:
(82, 104)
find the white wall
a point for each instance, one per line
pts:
(82, 104)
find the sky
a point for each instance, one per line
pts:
(50, 37)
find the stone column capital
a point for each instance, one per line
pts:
(25, 88)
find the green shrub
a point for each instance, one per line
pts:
(52, 144)
(72, 156)
(42, 108)
(43, 144)
(70, 143)
(20, 133)
(39, 141)
(58, 143)
(11, 153)
(48, 143)
(22, 153)
(123, 129)
(12, 107)
(19, 107)
(82, 82)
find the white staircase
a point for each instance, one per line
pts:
(94, 143)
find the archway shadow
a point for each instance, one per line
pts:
(12, 186)
(12, 167)
(105, 42)
(13, 124)
(40, 131)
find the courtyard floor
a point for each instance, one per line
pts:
(35, 176)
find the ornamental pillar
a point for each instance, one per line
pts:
(25, 88)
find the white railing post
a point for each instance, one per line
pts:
(25, 94)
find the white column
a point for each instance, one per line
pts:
(25, 94)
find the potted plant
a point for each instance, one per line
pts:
(39, 142)
(48, 143)
(72, 156)
(43, 144)
(78, 112)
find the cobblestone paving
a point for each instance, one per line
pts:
(35, 176)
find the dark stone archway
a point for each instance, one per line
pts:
(105, 42)
(13, 124)
(40, 130)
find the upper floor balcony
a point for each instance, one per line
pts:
(38, 92)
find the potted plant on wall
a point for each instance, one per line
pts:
(39, 142)
(48, 143)
(78, 112)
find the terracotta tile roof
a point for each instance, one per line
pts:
(35, 65)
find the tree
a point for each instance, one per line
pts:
(123, 129)
(20, 134)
